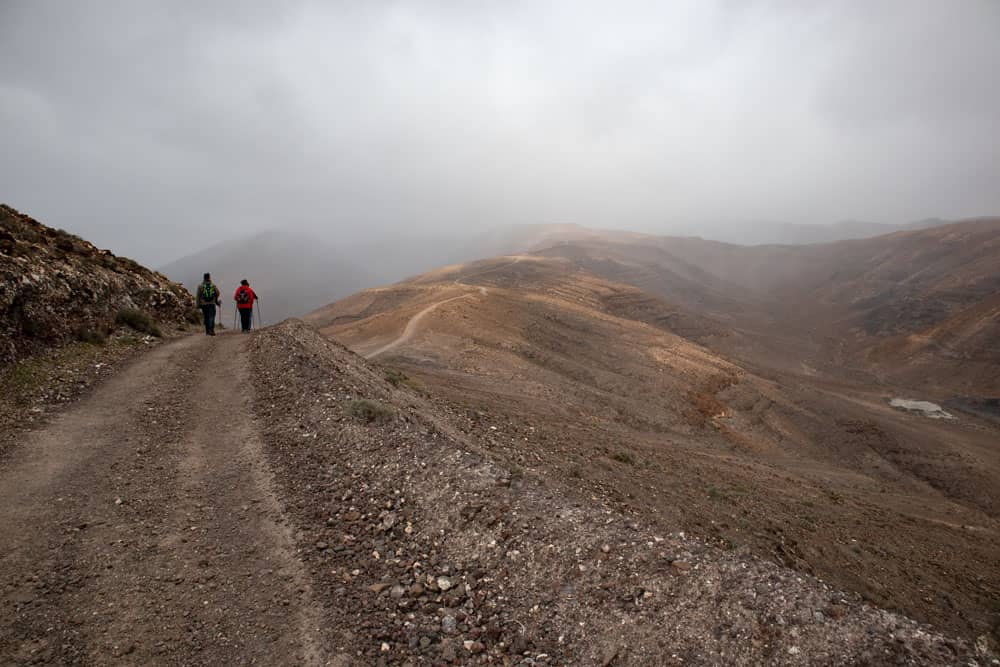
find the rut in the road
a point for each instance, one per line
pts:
(142, 526)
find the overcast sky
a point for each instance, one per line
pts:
(156, 128)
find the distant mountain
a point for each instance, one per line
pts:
(770, 232)
(292, 273)
(919, 305)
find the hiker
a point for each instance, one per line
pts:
(208, 299)
(244, 298)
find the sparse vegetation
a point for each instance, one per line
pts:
(20, 378)
(91, 336)
(138, 320)
(397, 378)
(624, 457)
(369, 411)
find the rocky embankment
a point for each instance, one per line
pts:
(425, 551)
(56, 288)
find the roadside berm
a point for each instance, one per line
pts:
(424, 550)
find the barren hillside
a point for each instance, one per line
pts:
(56, 288)
(912, 305)
(818, 472)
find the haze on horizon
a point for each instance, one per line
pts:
(158, 127)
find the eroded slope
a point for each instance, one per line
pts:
(823, 475)
(430, 548)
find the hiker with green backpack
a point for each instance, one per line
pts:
(208, 299)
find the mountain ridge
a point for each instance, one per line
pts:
(659, 416)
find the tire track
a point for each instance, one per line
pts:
(142, 526)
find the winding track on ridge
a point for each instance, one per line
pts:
(410, 330)
(143, 526)
(411, 326)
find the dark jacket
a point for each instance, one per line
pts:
(200, 293)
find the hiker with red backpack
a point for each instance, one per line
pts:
(245, 297)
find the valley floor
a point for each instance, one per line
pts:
(276, 499)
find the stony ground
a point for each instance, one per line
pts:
(277, 499)
(429, 552)
(820, 474)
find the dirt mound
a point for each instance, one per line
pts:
(430, 550)
(56, 288)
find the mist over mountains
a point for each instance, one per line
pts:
(300, 272)
(787, 233)
(291, 272)
(588, 333)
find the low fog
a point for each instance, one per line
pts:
(161, 128)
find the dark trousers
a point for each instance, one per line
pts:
(246, 318)
(208, 315)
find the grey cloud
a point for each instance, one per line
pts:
(153, 127)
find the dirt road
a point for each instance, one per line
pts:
(414, 322)
(142, 526)
(411, 327)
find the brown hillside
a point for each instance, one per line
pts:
(565, 373)
(835, 307)
(56, 288)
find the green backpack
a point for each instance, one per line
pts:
(208, 292)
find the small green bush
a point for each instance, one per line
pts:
(138, 320)
(90, 336)
(397, 377)
(623, 457)
(22, 376)
(369, 411)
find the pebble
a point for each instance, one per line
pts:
(448, 653)
(680, 566)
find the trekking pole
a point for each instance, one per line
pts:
(260, 319)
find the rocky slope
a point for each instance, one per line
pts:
(56, 288)
(431, 551)
(600, 385)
